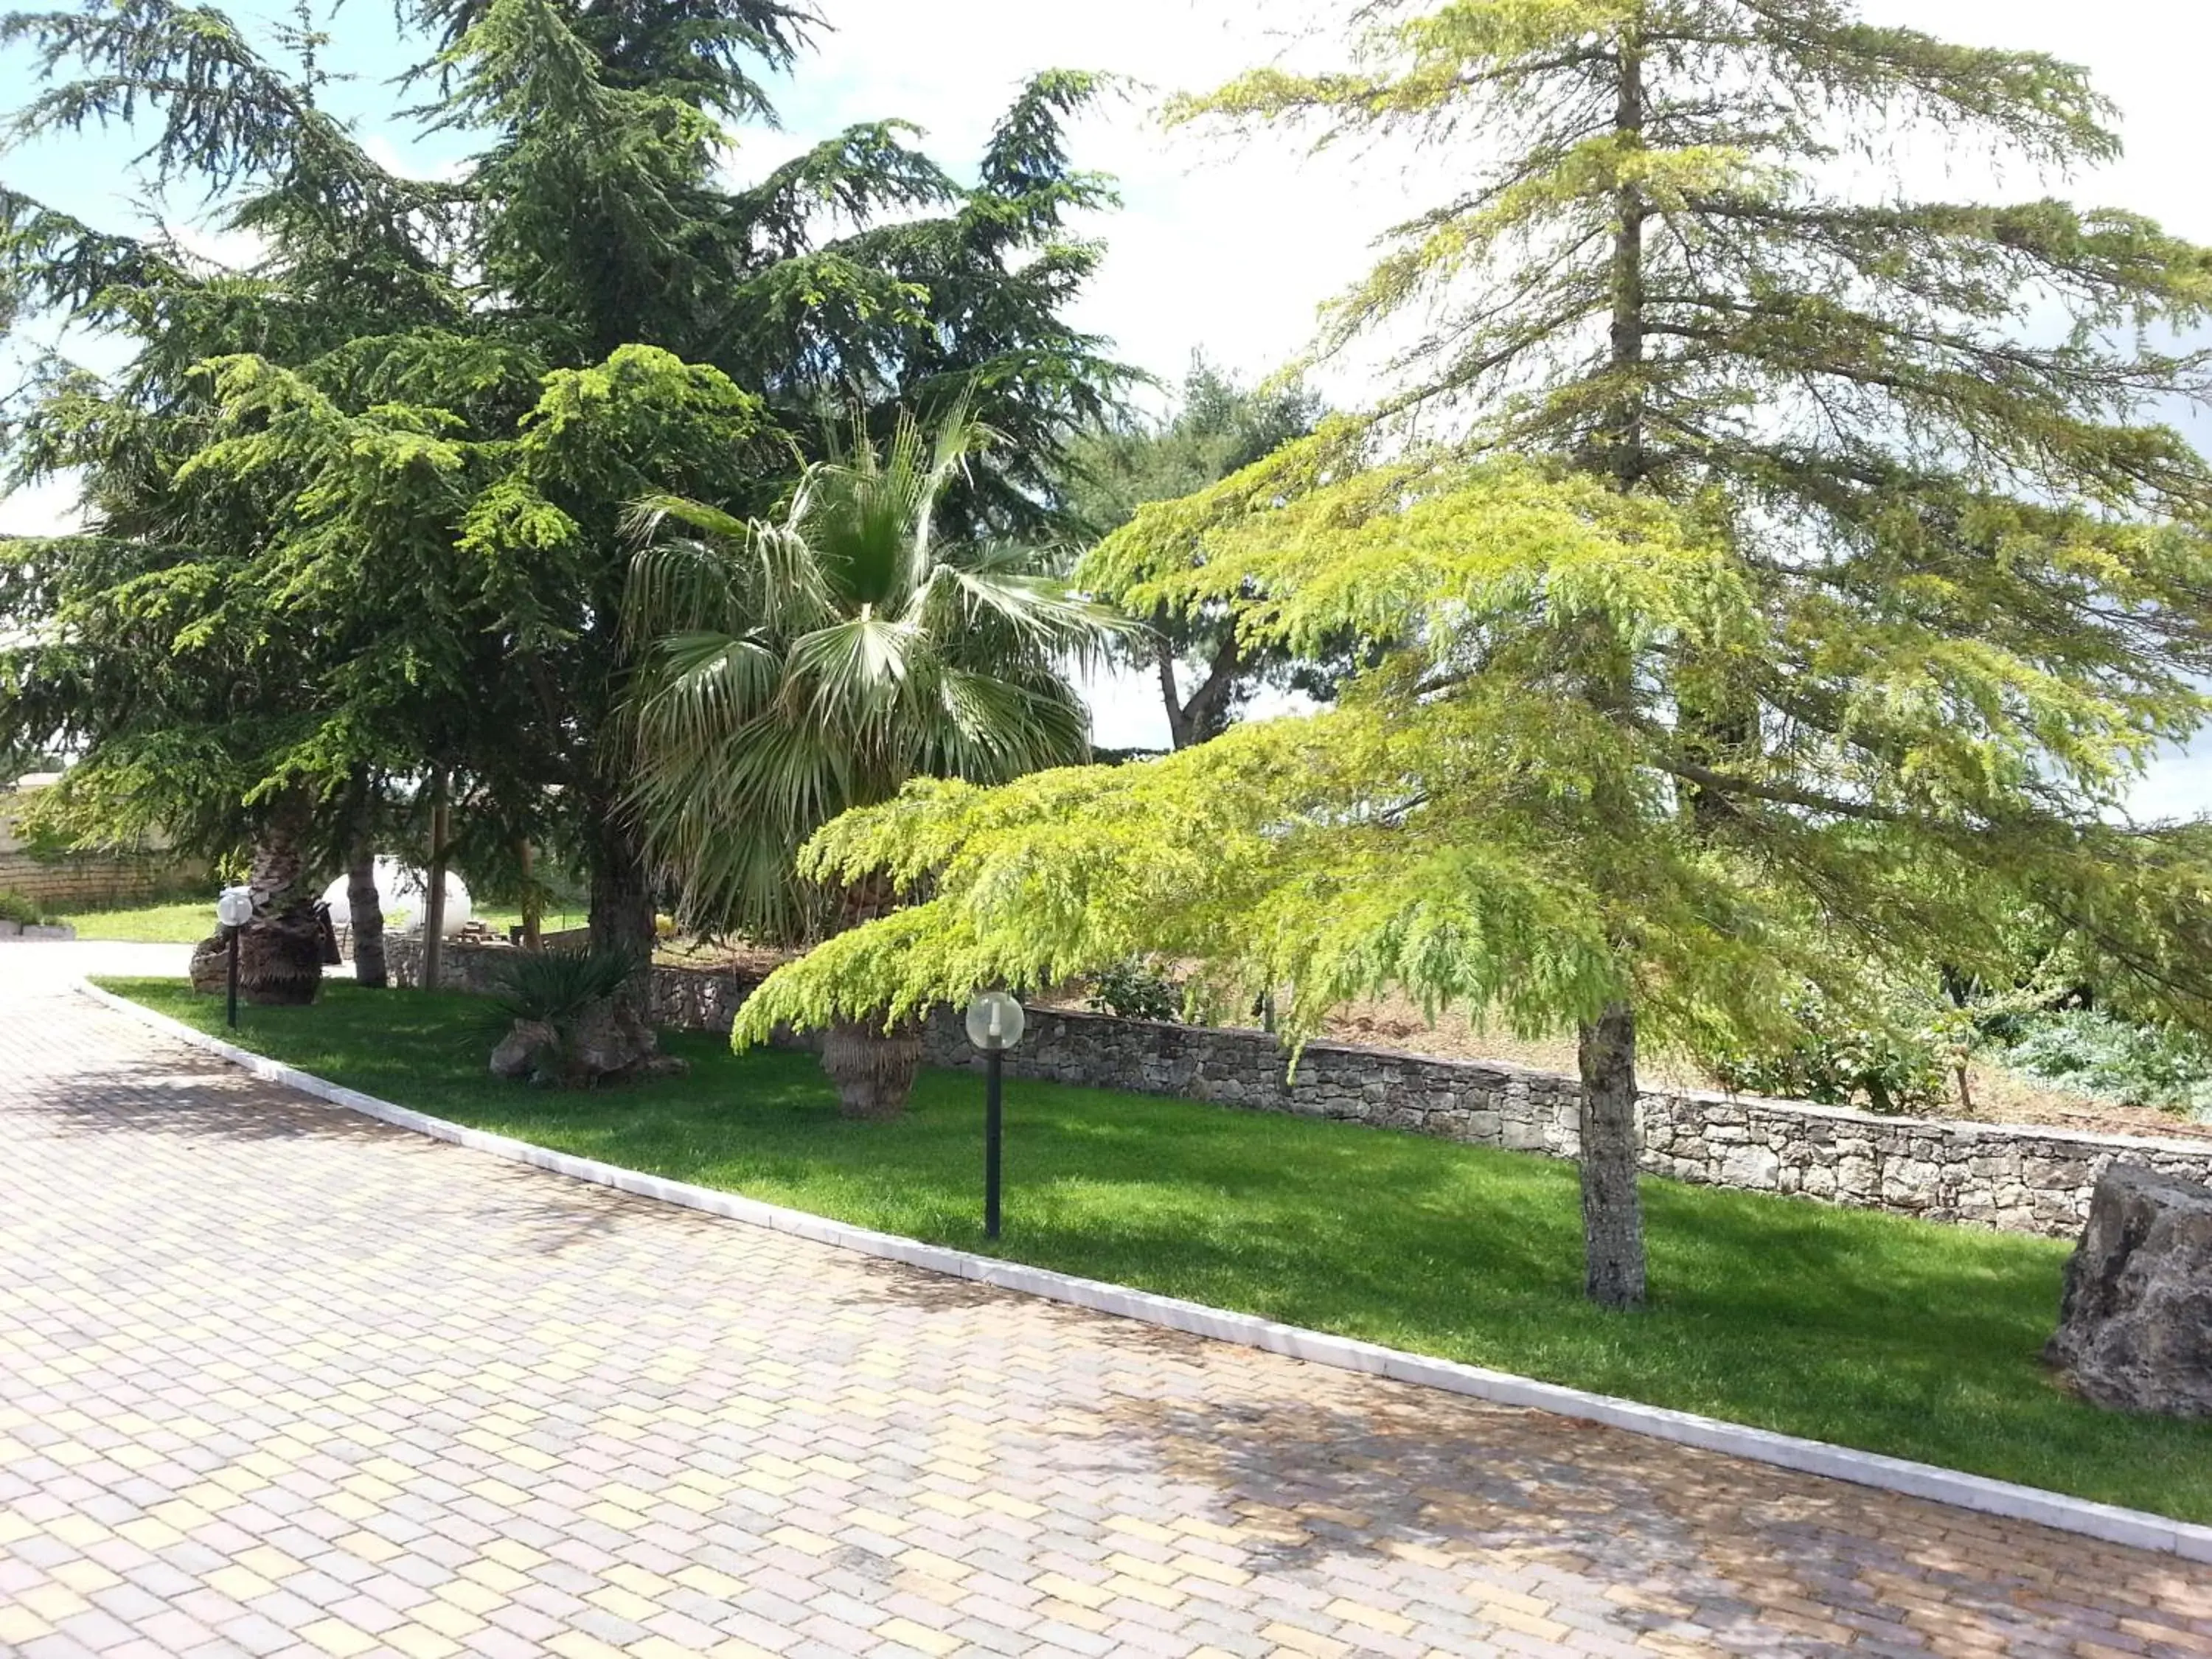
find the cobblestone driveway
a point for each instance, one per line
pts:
(276, 1379)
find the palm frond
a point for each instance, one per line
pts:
(850, 653)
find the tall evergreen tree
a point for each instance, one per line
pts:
(429, 405)
(1798, 596)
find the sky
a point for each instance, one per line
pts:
(1230, 250)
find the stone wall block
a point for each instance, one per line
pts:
(2022, 1179)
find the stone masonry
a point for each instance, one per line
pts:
(2019, 1179)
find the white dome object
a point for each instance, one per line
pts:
(403, 892)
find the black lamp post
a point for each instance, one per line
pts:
(234, 909)
(995, 1022)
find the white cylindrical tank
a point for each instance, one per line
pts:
(403, 893)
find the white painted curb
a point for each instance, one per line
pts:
(2107, 1522)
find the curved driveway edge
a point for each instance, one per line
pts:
(2106, 1522)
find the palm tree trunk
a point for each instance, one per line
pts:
(1613, 1208)
(279, 955)
(872, 1065)
(873, 1069)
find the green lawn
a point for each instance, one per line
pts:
(193, 921)
(184, 923)
(1868, 1329)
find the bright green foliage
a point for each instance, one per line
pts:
(1220, 428)
(1836, 617)
(1496, 818)
(359, 510)
(1655, 273)
(795, 668)
(1785, 612)
(1848, 1326)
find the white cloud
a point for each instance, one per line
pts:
(43, 509)
(410, 164)
(1225, 248)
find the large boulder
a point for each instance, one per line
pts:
(2134, 1332)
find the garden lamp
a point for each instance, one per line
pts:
(995, 1023)
(232, 910)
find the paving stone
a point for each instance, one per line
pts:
(278, 1380)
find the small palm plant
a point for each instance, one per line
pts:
(793, 669)
(550, 1007)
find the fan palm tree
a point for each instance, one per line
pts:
(791, 670)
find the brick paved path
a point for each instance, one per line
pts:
(276, 1379)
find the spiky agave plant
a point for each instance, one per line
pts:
(795, 668)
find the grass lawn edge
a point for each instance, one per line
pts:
(2111, 1523)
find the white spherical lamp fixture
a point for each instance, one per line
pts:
(996, 1021)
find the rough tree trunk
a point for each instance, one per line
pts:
(622, 922)
(872, 1069)
(622, 893)
(280, 956)
(533, 906)
(1612, 1209)
(367, 906)
(1205, 715)
(364, 905)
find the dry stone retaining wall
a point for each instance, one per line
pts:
(2020, 1179)
(63, 886)
(84, 882)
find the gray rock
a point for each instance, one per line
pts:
(1754, 1167)
(2134, 1332)
(606, 1043)
(525, 1051)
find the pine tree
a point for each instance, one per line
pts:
(1793, 601)
(1667, 284)
(413, 431)
(1205, 676)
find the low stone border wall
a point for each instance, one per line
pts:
(2016, 1178)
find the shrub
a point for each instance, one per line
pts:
(554, 1012)
(557, 988)
(1903, 1064)
(2110, 1059)
(1136, 989)
(14, 907)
